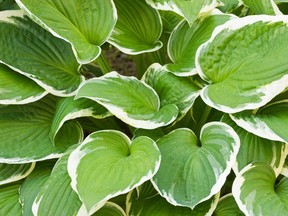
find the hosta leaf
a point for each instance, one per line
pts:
(32, 185)
(227, 206)
(263, 7)
(170, 20)
(269, 122)
(142, 202)
(185, 40)
(202, 169)
(110, 209)
(69, 108)
(108, 164)
(244, 59)
(138, 106)
(171, 89)
(285, 168)
(138, 27)
(14, 172)
(56, 197)
(255, 148)
(34, 52)
(256, 194)
(229, 5)
(188, 9)
(24, 132)
(86, 25)
(18, 89)
(9, 200)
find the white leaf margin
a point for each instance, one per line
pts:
(270, 90)
(75, 159)
(41, 23)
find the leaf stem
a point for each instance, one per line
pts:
(104, 65)
(203, 119)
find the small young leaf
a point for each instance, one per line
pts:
(108, 164)
(138, 27)
(189, 173)
(138, 106)
(85, 24)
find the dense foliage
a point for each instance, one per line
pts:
(199, 128)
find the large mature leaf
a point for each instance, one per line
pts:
(34, 52)
(185, 40)
(255, 148)
(32, 185)
(227, 206)
(138, 27)
(188, 9)
(107, 164)
(256, 194)
(9, 200)
(85, 24)
(18, 89)
(56, 197)
(263, 7)
(145, 201)
(192, 171)
(171, 89)
(14, 172)
(110, 209)
(130, 100)
(24, 132)
(69, 108)
(269, 122)
(244, 62)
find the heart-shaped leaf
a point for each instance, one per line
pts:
(32, 185)
(263, 7)
(255, 148)
(189, 9)
(14, 172)
(85, 24)
(269, 122)
(256, 194)
(57, 197)
(138, 106)
(253, 70)
(34, 52)
(227, 206)
(138, 27)
(108, 164)
(185, 40)
(24, 132)
(18, 89)
(190, 172)
(9, 200)
(69, 108)
(171, 89)
(145, 201)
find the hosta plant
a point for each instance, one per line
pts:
(143, 107)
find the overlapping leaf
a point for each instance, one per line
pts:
(185, 40)
(86, 25)
(244, 59)
(108, 164)
(263, 7)
(255, 148)
(256, 194)
(37, 54)
(24, 132)
(18, 89)
(229, 5)
(9, 200)
(56, 197)
(139, 104)
(138, 27)
(14, 172)
(192, 171)
(269, 122)
(227, 206)
(188, 9)
(171, 89)
(110, 209)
